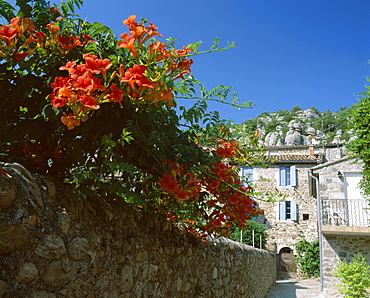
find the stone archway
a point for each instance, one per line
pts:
(286, 267)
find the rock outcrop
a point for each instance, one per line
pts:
(299, 127)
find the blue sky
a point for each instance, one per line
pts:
(288, 52)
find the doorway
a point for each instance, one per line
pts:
(286, 266)
(356, 204)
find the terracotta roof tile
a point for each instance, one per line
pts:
(296, 158)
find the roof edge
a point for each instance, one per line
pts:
(304, 146)
(329, 163)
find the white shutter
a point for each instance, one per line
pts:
(282, 176)
(293, 176)
(282, 211)
(293, 210)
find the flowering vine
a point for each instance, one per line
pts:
(109, 125)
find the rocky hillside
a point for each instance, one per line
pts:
(298, 127)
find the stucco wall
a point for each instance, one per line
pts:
(55, 246)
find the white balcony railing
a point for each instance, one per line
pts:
(345, 213)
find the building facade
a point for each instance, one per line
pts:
(295, 214)
(319, 198)
(345, 217)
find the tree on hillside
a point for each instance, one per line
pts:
(287, 118)
(295, 109)
(344, 115)
(315, 110)
(264, 114)
(271, 125)
(327, 123)
(281, 112)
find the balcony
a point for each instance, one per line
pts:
(345, 216)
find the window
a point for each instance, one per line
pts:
(288, 210)
(246, 174)
(287, 176)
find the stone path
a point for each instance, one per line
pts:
(292, 288)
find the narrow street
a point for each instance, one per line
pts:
(291, 288)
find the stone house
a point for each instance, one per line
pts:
(295, 216)
(344, 216)
(321, 201)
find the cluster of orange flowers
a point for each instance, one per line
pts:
(82, 91)
(227, 149)
(179, 183)
(20, 38)
(66, 41)
(19, 29)
(139, 34)
(230, 200)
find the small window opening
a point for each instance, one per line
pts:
(306, 216)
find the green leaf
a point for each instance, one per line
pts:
(6, 10)
(25, 11)
(68, 7)
(21, 2)
(62, 25)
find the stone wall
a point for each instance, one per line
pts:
(341, 247)
(54, 246)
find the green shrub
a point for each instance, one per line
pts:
(308, 257)
(355, 277)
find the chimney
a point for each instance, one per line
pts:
(311, 150)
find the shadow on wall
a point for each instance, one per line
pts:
(262, 219)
